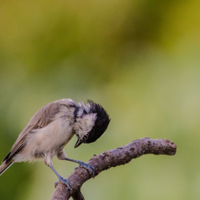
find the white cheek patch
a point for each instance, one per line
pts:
(89, 121)
(85, 124)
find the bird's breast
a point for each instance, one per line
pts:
(50, 139)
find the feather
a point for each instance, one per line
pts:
(40, 119)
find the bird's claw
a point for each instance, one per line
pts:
(88, 167)
(65, 181)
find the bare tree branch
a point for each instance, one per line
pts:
(112, 158)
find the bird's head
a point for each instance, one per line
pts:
(91, 122)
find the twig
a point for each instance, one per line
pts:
(112, 158)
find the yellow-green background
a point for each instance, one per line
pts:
(139, 59)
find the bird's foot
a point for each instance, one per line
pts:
(88, 167)
(65, 181)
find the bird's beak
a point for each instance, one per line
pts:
(78, 143)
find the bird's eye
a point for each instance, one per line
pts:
(85, 137)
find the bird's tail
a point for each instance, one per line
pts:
(4, 166)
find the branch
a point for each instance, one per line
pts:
(112, 158)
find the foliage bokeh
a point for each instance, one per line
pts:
(139, 59)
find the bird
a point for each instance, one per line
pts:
(52, 127)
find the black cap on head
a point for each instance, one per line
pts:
(101, 122)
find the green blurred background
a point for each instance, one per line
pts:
(139, 59)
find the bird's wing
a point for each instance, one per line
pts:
(42, 118)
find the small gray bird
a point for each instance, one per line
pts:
(52, 127)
